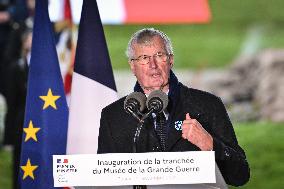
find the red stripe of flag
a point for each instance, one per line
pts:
(167, 11)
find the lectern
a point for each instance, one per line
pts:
(220, 184)
(169, 170)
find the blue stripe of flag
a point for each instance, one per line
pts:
(92, 57)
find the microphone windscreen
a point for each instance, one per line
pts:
(157, 98)
(136, 99)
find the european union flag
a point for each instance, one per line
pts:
(46, 117)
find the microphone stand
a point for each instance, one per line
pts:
(155, 104)
(137, 134)
(139, 127)
(136, 137)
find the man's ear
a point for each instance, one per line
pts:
(131, 67)
(171, 60)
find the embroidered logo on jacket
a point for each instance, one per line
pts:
(178, 125)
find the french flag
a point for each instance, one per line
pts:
(93, 85)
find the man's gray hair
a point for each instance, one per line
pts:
(146, 34)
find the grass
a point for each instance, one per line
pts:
(5, 169)
(261, 141)
(264, 149)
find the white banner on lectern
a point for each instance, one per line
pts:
(134, 169)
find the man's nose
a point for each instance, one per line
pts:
(152, 62)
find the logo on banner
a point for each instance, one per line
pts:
(63, 166)
(62, 161)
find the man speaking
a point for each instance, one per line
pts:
(174, 118)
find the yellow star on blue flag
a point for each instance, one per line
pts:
(49, 100)
(29, 170)
(31, 132)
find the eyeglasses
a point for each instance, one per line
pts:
(145, 59)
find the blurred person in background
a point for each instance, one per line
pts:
(17, 75)
(16, 21)
(13, 13)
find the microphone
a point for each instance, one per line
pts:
(157, 102)
(134, 104)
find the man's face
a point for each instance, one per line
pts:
(155, 74)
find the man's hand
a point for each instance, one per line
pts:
(193, 131)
